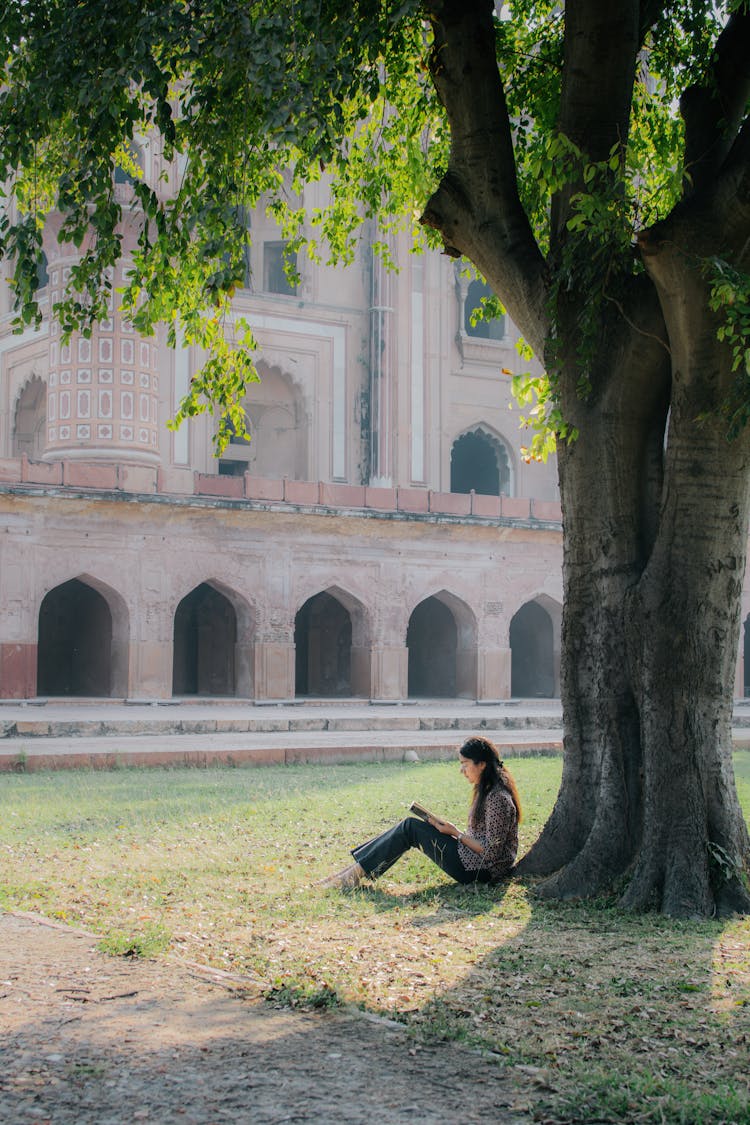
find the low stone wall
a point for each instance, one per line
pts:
(149, 480)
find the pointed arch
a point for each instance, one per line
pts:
(83, 640)
(30, 419)
(441, 639)
(482, 462)
(332, 646)
(277, 421)
(213, 639)
(534, 641)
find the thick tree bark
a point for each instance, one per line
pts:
(610, 480)
(651, 627)
(477, 208)
(683, 616)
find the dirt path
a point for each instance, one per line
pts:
(87, 1039)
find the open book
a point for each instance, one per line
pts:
(421, 811)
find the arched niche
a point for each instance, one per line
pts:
(278, 429)
(212, 645)
(535, 650)
(481, 462)
(331, 646)
(441, 643)
(82, 643)
(30, 421)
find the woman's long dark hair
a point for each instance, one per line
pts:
(494, 773)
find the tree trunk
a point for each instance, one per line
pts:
(651, 628)
(684, 621)
(610, 481)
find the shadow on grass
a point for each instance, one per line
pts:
(472, 900)
(611, 1017)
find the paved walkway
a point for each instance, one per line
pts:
(51, 734)
(95, 1040)
(44, 734)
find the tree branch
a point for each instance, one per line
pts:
(649, 13)
(714, 111)
(477, 208)
(713, 220)
(735, 181)
(601, 46)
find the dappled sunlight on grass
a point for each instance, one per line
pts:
(730, 984)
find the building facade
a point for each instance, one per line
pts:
(380, 535)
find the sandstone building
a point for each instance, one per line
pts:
(380, 536)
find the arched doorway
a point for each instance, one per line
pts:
(74, 654)
(323, 647)
(480, 462)
(432, 641)
(205, 638)
(532, 673)
(30, 423)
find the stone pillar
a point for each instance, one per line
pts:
(382, 366)
(274, 670)
(466, 673)
(361, 676)
(244, 655)
(19, 619)
(493, 674)
(18, 663)
(389, 672)
(103, 392)
(151, 669)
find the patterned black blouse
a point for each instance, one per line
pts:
(496, 829)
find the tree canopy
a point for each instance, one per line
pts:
(261, 103)
(252, 104)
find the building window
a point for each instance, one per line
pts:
(235, 438)
(233, 468)
(136, 154)
(42, 272)
(480, 463)
(276, 260)
(483, 329)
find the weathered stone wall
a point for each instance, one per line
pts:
(144, 553)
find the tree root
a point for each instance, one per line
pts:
(732, 898)
(584, 877)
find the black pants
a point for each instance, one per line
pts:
(377, 855)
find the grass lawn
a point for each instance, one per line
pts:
(602, 1016)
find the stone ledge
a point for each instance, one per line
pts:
(301, 754)
(140, 480)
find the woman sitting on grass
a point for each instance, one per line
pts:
(484, 853)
